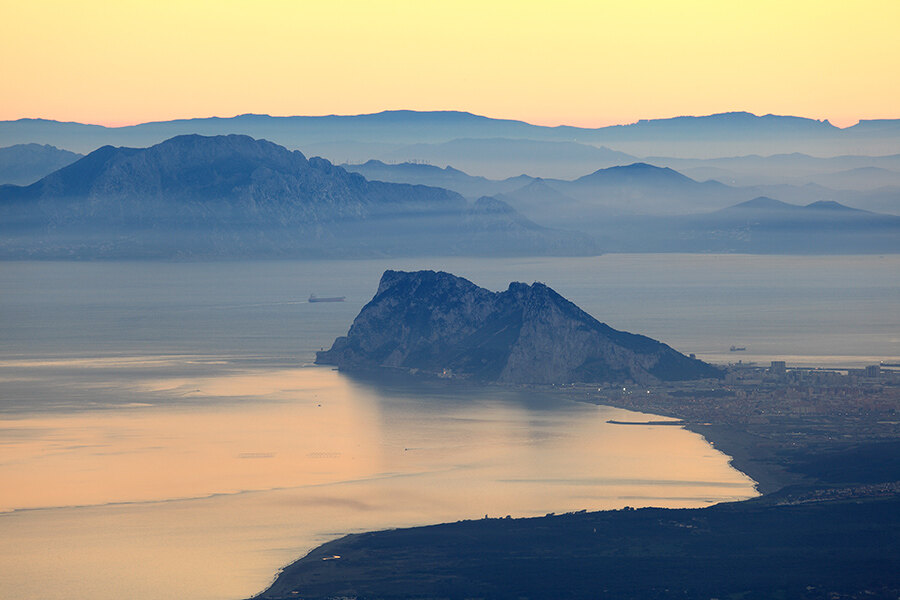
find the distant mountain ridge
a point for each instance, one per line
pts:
(631, 188)
(451, 178)
(509, 157)
(233, 196)
(634, 188)
(761, 225)
(724, 134)
(26, 163)
(637, 188)
(443, 325)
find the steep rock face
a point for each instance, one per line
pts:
(438, 323)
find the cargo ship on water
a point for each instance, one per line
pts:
(314, 298)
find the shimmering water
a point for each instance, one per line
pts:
(163, 435)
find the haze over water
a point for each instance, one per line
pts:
(162, 434)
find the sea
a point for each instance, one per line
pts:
(164, 432)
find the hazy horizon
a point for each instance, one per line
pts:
(599, 124)
(576, 63)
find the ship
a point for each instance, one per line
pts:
(314, 298)
(737, 349)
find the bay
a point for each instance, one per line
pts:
(163, 433)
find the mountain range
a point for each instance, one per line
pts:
(840, 172)
(759, 226)
(725, 134)
(638, 188)
(233, 196)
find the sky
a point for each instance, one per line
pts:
(591, 64)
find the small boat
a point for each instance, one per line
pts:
(314, 298)
(732, 349)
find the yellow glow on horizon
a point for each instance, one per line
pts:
(585, 63)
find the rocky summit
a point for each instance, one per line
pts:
(438, 324)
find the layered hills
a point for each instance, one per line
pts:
(761, 225)
(22, 164)
(439, 324)
(687, 186)
(725, 134)
(234, 196)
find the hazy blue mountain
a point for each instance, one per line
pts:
(646, 189)
(792, 169)
(397, 126)
(634, 189)
(637, 173)
(538, 197)
(26, 163)
(500, 158)
(884, 200)
(449, 178)
(860, 178)
(435, 323)
(728, 134)
(730, 123)
(233, 196)
(721, 134)
(638, 188)
(759, 226)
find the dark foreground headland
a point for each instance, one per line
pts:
(829, 549)
(823, 447)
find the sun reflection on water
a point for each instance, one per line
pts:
(202, 485)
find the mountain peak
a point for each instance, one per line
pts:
(233, 143)
(763, 203)
(639, 171)
(832, 205)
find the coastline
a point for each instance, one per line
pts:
(773, 444)
(747, 454)
(751, 454)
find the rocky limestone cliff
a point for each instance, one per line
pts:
(437, 323)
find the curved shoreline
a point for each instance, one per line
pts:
(746, 455)
(736, 445)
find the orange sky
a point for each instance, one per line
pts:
(583, 63)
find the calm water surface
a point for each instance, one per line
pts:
(163, 435)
